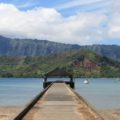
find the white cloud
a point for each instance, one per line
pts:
(47, 23)
(114, 22)
(75, 3)
(31, 23)
(26, 5)
(114, 26)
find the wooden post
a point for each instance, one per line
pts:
(45, 79)
(45, 82)
(71, 78)
(72, 85)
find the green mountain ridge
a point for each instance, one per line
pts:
(83, 63)
(30, 47)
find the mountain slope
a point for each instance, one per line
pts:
(29, 47)
(110, 51)
(83, 63)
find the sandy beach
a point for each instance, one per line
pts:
(9, 113)
(110, 114)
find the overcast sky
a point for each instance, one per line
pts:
(68, 21)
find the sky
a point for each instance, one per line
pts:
(82, 22)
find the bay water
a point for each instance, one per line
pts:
(18, 91)
(101, 93)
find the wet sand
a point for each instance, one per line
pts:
(9, 113)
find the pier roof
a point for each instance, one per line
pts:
(59, 72)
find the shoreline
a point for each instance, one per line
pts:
(9, 113)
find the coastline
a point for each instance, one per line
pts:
(9, 113)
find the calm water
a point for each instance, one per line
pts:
(18, 91)
(100, 93)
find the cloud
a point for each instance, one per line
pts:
(49, 24)
(31, 23)
(114, 26)
(26, 4)
(81, 3)
(114, 21)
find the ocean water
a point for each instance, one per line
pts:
(99, 93)
(18, 91)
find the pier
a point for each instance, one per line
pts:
(58, 102)
(59, 72)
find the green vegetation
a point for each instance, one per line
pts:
(83, 63)
(30, 47)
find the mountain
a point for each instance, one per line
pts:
(29, 47)
(82, 62)
(110, 51)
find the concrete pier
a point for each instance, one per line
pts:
(61, 103)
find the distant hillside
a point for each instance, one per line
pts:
(83, 63)
(29, 47)
(110, 51)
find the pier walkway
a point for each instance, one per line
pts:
(60, 102)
